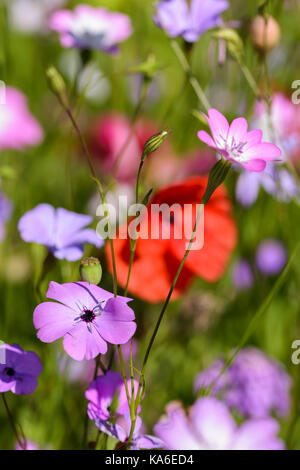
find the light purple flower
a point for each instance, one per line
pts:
(18, 128)
(5, 213)
(86, 316)
(271, 256)
(210, 426)
(275, 180)
(19, 370)
(242, 276)
(60, 230)
(178, 19)
(255, 385)
(91, 28)
(236, 144)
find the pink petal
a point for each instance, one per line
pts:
(237, 130)
(115, 332)
(117, 310)
(206, 138)
(263, 151)
(218, 125)
(80, 343)
(52, 320)
(254, 165)
(77, 294)
(253, 137)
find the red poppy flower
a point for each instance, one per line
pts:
(157, 260)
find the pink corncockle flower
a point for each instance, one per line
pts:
(236, 144)
(63, 232)
(86, 316)
(91, 28)
(18, 128)
(19, 370)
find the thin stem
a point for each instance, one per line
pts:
(256, 317)
(250, 79)
(124, 373)
(191, 78)
(133, 242)
(21, 442)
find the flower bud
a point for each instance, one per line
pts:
(216, 177)
(154, 143)
(90, 270)
(264, 33)
(57, 85)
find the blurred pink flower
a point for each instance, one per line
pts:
(91, 28)
(18, 128)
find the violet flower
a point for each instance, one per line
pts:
(178, 19)
(275, 180)
(60, 230)
(28, 446)
(91, 28)
(255, 385)
(108, 407)
(210, 426)
(18, 128)
(86, 316)
(242, 276)
(19, 370)
(271, 257)
(236, 144)
(5, 213)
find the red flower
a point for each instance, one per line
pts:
(157, 260)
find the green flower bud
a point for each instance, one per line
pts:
(57, 85)
(90, 270)
(216, 177)
(154, 143)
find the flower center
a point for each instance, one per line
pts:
(9, 371)
(236, 150)
(87, 316)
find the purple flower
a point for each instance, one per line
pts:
(210, 426)
(61, 231)
(18, 128)
(5, 213)
(236, 144)
(91, 28)
(19, 370)
(242, 276)
(178, 19)
(271, 257)
(276, 181)
(86, 316)
(255, 385)
(108, 406)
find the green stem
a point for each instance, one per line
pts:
(191, 78)
(21, 442)
(249, 77)
(124, 374)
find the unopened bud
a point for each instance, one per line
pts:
(264, 33)
(57, 85)
(154, 143)
(216, 177)
(90, 270)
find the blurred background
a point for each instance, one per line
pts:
(208, 319)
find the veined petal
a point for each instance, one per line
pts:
(52, 320)
(206, 138)
(253, 138)
(219, 126)
(115, 332)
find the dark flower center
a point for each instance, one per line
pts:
(9, 371)
(87, 316)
